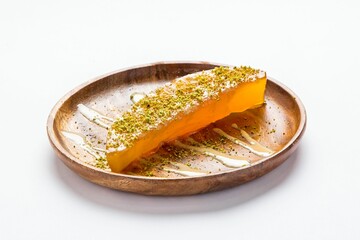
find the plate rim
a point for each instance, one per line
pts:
(64, 155)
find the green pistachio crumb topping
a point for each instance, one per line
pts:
(102, 163)
(165, 103)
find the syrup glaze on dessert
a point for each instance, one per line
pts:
(179, 96)
(181, 107)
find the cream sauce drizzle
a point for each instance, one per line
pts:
(227, 160)
(184, 170)
(253, 146)
(94, 116)
(83, 143)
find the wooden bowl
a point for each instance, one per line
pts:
(282, 122)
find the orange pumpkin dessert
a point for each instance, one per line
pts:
(182, 107)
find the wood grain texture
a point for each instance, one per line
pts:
(110, 95)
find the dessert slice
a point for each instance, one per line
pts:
(182, 107)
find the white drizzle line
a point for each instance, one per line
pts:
(191, 140)
(244, 134)
(81, 141)
(227, 160)
(184, 170)
(94, 116)
(137, 96)
(253, 145)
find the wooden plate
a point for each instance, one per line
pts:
(279, 124)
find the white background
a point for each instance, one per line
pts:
(49, 47)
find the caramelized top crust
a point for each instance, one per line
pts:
(179, 96)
